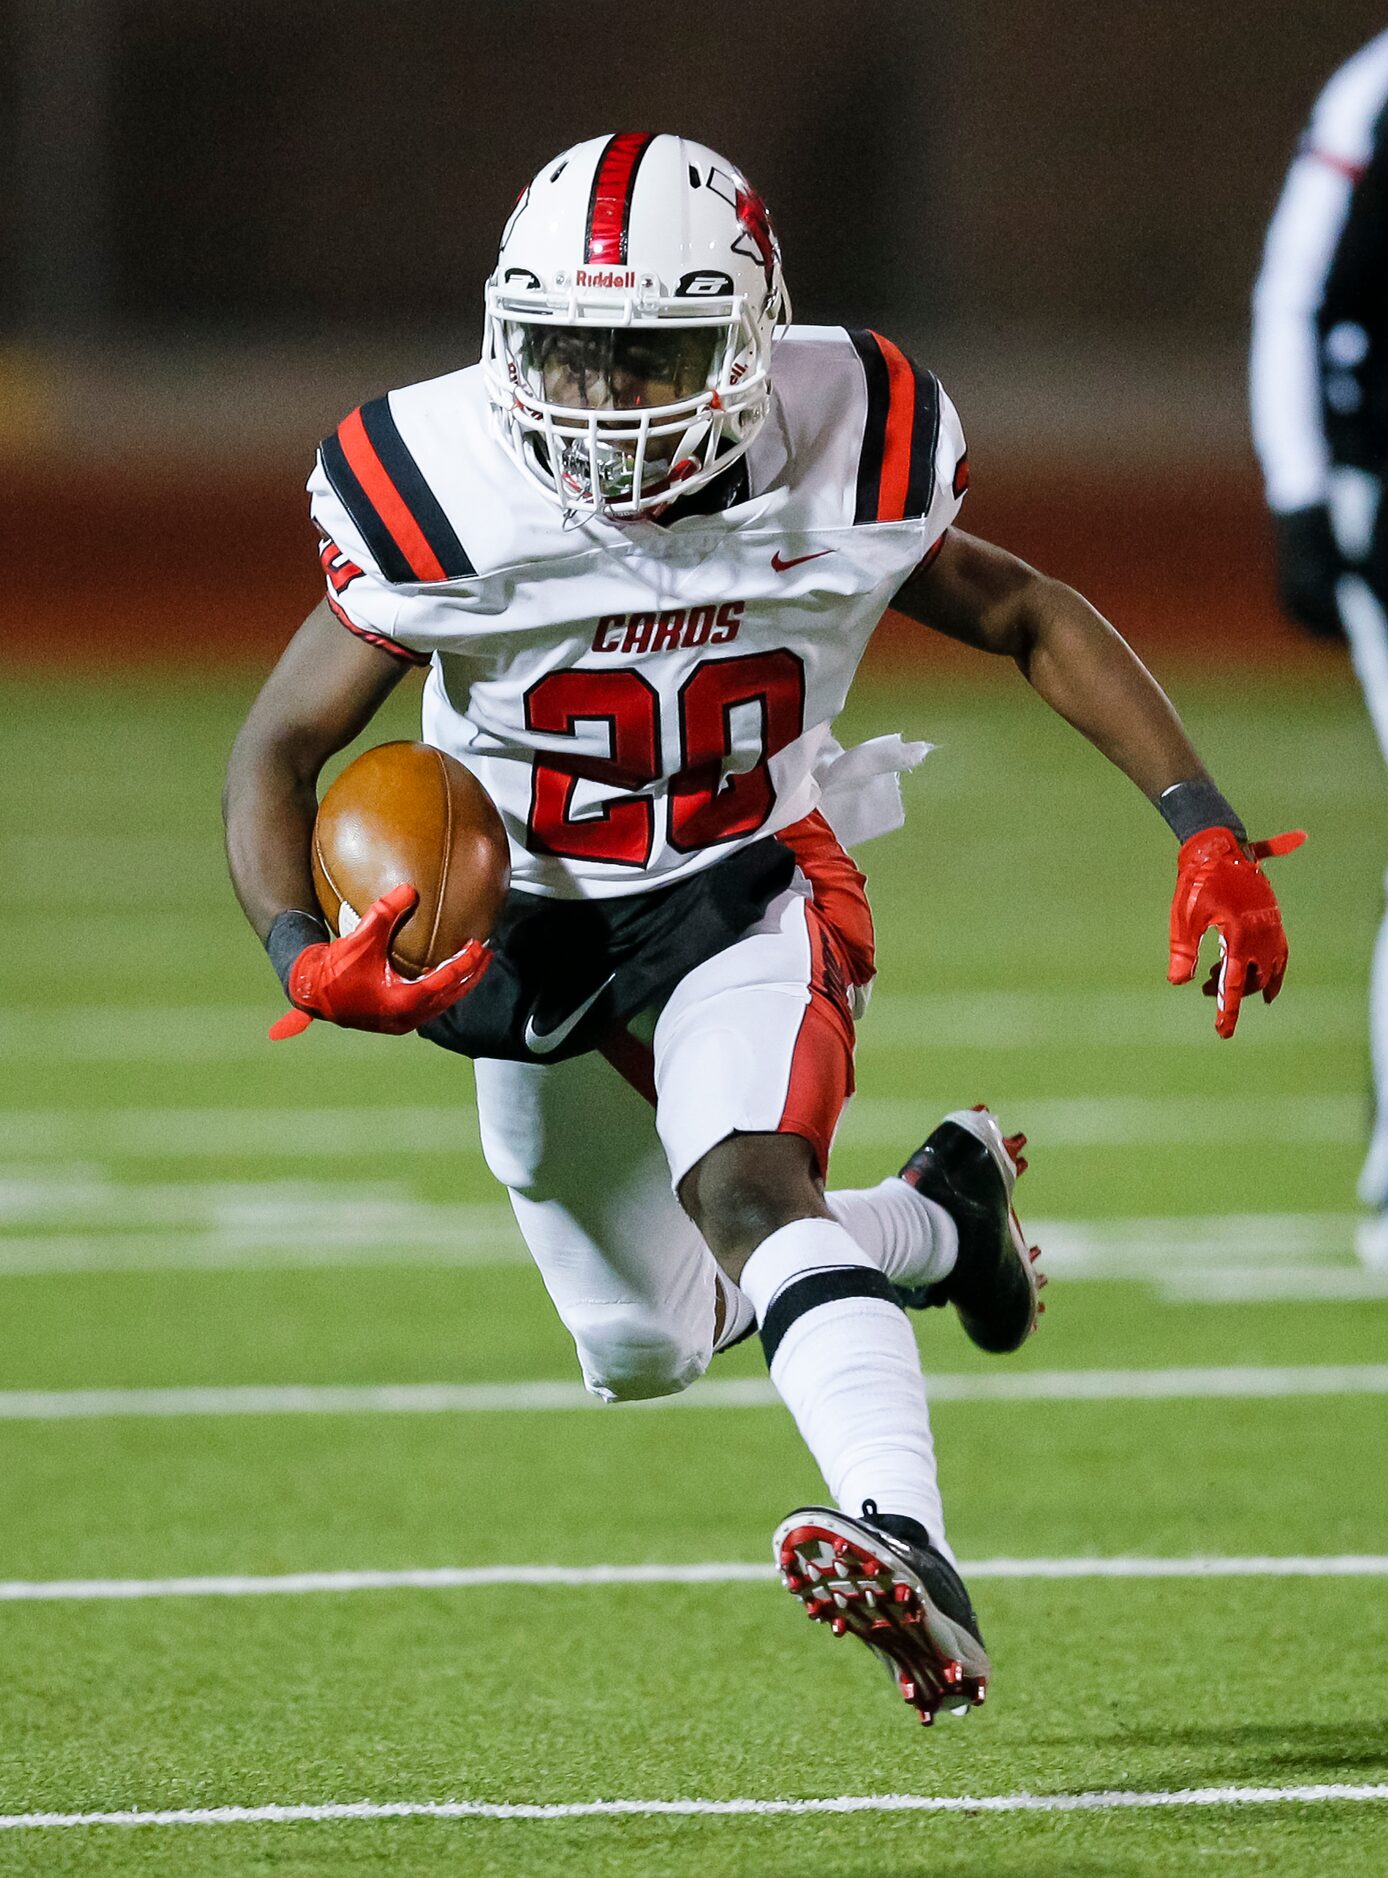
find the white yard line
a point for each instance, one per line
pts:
(1250, 1382)
(203, 1225)
(236, 1223)
(1106, 1020)
(973, 1020)
(1283, 1284)
(1129, 1121)
(1113, 1800)
(480, 1577)
(891, 1123)
(130, 1033)
(441, 1578)
(343, 1399)
(1341, 1565)
(220, 1133)
(297, 1249)
(1194, 1238)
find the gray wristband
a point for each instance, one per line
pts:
(291, 931)
(1187, 808)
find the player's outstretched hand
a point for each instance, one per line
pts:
(352, 982)
(1219, 883)
(1309, 564)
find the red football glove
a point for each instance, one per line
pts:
(1219, 883)
(352, 982)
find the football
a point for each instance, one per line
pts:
(407, 812)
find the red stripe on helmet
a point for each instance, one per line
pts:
(609, 206)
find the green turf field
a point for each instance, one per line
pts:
(185, 1208)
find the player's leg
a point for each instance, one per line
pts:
(907, 1235)
(1366, 628)
(945, 1231)
(1355, 501)
(629, 1274)
(839, 1347)
(942, 1228)
(575, 1146)
(752, 1066)
(1372, 1238)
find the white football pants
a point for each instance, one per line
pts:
(591, 1166)
(1354, 506)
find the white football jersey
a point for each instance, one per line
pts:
(640, 698)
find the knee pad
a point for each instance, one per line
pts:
(630, 1354)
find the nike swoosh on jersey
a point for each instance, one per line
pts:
(781, 566)
(543, 1043)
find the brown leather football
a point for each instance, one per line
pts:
(407, 812)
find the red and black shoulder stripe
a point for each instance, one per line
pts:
(397, 514)
(896, 464)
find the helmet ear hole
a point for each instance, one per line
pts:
(629, 325)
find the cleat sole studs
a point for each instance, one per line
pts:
(839, 1582)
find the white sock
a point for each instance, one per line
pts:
(912, 1239)
(847, 1368)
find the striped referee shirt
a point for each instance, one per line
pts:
(1319, 364)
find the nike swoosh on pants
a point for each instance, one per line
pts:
(542, 1043)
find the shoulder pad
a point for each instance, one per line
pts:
(896, 463)
(378, 482)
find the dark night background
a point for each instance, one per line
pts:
(226, 225)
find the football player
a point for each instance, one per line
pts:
(1319, 382)
(640, 548)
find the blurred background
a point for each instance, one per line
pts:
(226, 226)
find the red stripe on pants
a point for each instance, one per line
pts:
(838, 923)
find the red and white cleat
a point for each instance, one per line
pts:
(879, 1579)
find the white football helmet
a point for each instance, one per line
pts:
(629, 323)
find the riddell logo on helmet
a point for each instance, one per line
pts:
(604, 277)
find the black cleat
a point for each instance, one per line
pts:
(970, 1169)
(879, 1578)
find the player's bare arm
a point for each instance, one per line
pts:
(1063, 647)
(325, 690)
(1070, 655)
